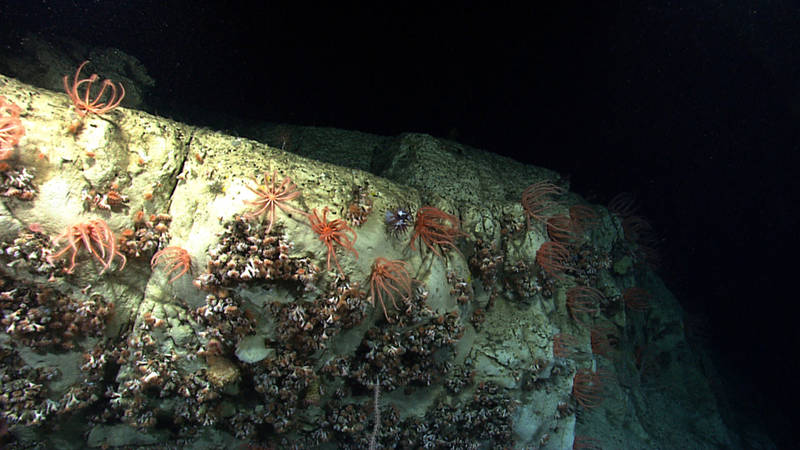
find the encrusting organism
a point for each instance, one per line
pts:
(246, 254)
(83, 105)
(176, 257)
(389, 278)
(360, 207)
(148, 234)
(96, 237)
(111, 199)
(333, 232)
(39, 316)
(436, 229)
(271, 196)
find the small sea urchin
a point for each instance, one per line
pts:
(399, 220)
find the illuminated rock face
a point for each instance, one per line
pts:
(258, 342)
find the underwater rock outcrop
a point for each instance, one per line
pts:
(533, 323)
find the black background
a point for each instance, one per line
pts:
(692, 108)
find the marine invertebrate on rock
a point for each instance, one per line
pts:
(398, 220)
(587, 388)
(305, 327)
(96, 237)
(221, 371)
(461, 289)
(388, 278)
(537, 202)
(271, 197)
(39, 316)
(402, 357)
(226, 320)
(569, 229)
(431, 227)
(83, 105)
(521, 280)
(16, 182)
(26, 399)
(148, 233)
(284, 383)
(111, 199)
(636, 299)
(553, 257)
(360, 207)
(560, 229)
(485, 263)
(246, 254)
(458, 379)
(583, 299)
(640, 233)
(176, 257)
(11, 129)
(333, 232)
(623, 205)
(604, 340)
(582, 217)
(29, 251)
(566, 346)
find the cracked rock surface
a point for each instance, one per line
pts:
(262, 342)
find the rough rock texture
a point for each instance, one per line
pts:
(44, 63)
(262, 341)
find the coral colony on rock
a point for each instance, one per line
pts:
(154, 292)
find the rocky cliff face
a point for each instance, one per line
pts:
(534, 325)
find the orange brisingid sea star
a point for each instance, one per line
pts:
(98, 240)
(333, 232)
(272, 196)
(390, 279)
(174, 257)
(84, 105)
